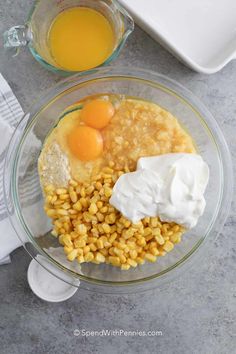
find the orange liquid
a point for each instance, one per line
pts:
(80, 38)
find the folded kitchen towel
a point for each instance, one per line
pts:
(10, 115)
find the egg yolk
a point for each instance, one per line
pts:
(97, 113)
(85, 143)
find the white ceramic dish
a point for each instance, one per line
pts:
(45, 285)
(200, 33)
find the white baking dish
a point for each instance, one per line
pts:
(201, 33)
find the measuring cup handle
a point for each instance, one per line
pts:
(17, 36)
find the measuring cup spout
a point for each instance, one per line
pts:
(128, 23)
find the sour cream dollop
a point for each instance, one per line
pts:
(169, 186)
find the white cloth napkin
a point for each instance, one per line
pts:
(31, 202)
(10, 115)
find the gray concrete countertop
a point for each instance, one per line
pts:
(196, 312)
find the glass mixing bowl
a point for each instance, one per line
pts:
(23, 193)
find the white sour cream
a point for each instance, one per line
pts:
(169, 186)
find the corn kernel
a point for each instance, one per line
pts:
(88, 257)
(51, 213)
(64, 196)
(48, 199)
(93, 247)
(61, 191)
(81, 229)
(99, 257)
(65, 206)
(147, 231)
(90, 190)
(104, 251)
(125, 266)
(106, 228)
(99, 204)
(80, 243)
(162, 253)
(104, 209)
(150, 257)
(99, 244)
(133, 254)
(73, 196)
(80, 259)
(114, 260)
(113, 237)
(68, 250)
(73, 183)
(54, 233)
(168, 246)
(141, 242)
(84, 202)
(72, 255)
(154, 251)
(132, 262)
(93, 209)
(160, 239)
(86, 249)
(49, 188)
(153, 222)
(176, 238)
(140, 260)
(62, 212)
(107, 192)
(72, 212)
(66, 239)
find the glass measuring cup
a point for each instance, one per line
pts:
(34, 33)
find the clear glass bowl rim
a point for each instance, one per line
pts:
(160, 81)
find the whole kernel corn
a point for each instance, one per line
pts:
(99, 204)
(125, 266)
(154, 251)
(140, 260)
(80, 259)
(88, 257)
(132, 262)
(104, 251)
(64, 196)
(160, 239)
(150, 257)
(114, 260)
(72, 255)
(79, 243)
(106, 228)
(99, 257)
(62, 212)
(90, 190)
(81, 229)
(68, 250)
(124, 244)
(99, 244)
(168, 246)
(73, 196)
(123, 259)
(86, 249)
(49, 188)
(93, 247)
(113, 237)
(133, 254)
(93, 209)
(73, 183)
(54, 233)
(176, 238)
(48, 199)
(61, 191)
(66, 206)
